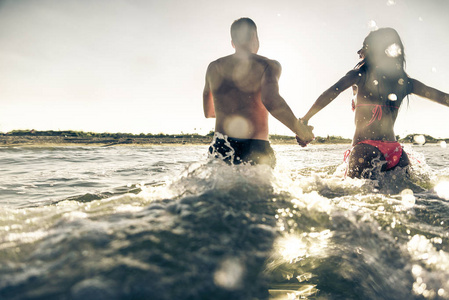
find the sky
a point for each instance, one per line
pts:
(138, 66)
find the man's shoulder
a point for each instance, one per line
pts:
(266, 59)
(267, 63)
(214, 65)
(221, 59)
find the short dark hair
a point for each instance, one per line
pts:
(241, 30)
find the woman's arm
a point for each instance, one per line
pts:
(331, 93)
(420, 89)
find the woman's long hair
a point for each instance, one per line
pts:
(383, 62)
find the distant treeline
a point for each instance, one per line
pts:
(280, 138)
(429, 139)
(82, 134)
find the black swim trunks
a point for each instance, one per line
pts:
(237, 151)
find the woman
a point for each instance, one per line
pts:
(380, 85)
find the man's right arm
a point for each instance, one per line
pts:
(208, 99)
(277, 106)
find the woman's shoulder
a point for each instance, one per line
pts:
(356, 73)
(350, 78)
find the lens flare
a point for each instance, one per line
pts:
(238, 127)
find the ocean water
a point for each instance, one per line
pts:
(165, 222)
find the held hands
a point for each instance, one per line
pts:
(304, 135)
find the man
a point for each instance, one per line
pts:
(241, 89)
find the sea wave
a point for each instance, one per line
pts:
(216, 231)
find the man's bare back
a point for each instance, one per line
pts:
(242, 89)
(235, 83)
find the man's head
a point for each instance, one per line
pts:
(244, 35)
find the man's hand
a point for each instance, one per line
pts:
(301, 142)
(305, 135)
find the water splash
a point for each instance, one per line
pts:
(442, 189)
(209, 232)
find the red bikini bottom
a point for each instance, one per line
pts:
(392, 151)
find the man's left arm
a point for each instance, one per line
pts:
(208, 99)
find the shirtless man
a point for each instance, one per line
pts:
(241, 89)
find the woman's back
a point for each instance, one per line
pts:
(377, 101)
(382, 86)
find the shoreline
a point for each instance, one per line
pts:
(61, 141)
(97, 140)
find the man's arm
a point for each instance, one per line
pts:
(277, 106)
(208, 99)
(331, 93)
(420, 89)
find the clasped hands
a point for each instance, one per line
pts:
(307, 134)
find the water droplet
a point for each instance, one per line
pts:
(419, 139)
(408, 199)
(372, 25)
(401, 81)
(229, 274)
(434, 70)
(391, 2)
(304, 277)
(376, 82)
(392, 97)
(394, 50)
(360, 74)
(443, 144)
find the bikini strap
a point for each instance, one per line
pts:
(377, 111)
